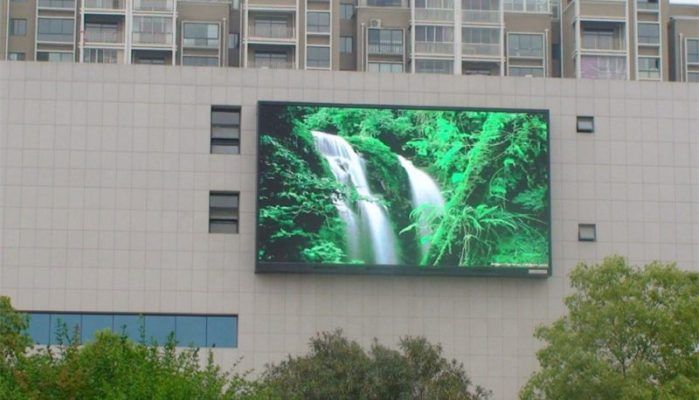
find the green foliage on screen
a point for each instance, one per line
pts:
(402, 187)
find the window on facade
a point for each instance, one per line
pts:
(585, 124)
(18, 27)
(600, 37)
(200, 35)
(189, 330)
(55, 30)
(587, 232)
(318, 22)
(527, 71)
(233, 40)
(223, 212)
(647, 4)
(434, 66)
(346, 11)
(603, 67)
(267, 59)
(103, 33)
(648, 33)
(63, 4)
(100, 56)
(384, 3)
(481, 41)
(346, 44)
(17, 56)
(54, 56)
(200, 61)
(152, 30)
(692, 76)
(385, 67)
(150, 60)
(386, 41)
(649, 68)
(533, 6)
(434, 33)
(269, 26)
(317, 57)
(525, 45)
(225, 130)
(693, 50)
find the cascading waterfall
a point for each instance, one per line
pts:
(424, 192)
(372, 222)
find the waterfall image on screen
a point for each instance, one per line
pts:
(413, 188)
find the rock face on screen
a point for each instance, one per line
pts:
(421, 189)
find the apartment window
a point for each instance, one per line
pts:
(317, 57)
(266, 59)
(152, 30)
(100, 56)
(603, 67)
(587, 232)
(527, 71)
(384, 3)
(346, 44)
(200, 61)
(692, 76)
(585, 124)
(189, 330)
(58, 30)
(223, 212)
(62, 4)
(54, 56)
(647, 4)
(233, 40)
(525, 45)
(318, 22)
(602, 36)
(386, 41)
(385, 67)
(434, 66)
(18, 27)
(269, 26)
(103, 33)
(480, 41)
(346, 11)
(693, 50)
(17, 56)
(200, 35)
(648, 33)
(149, 59)
(434, 34)
(225, 130)
(532, 6)
(649, 68)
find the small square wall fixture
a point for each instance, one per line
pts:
(585, 124)
(587, 232)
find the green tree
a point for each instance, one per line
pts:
(338, 368)
(630, 333)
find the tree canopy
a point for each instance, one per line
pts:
(630, 333)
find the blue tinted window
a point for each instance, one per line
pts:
(39, 328)
(128, 324)
(191, 331)
(71, 323)
(221, 332)
(159, 327)
(93, 323)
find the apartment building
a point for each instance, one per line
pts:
(598, 39)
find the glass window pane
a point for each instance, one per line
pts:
(129, 324)
(70, 321)
(159, 327)
(225, 149)
(223, 226)
(191, 331)
(225, 117)
(39, 327)
(93, 323)
(222, 332)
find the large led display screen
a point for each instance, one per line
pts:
(402, 190)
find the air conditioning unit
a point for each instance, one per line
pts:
(374, 23)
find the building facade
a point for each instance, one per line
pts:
(130, 190)
(594, 39)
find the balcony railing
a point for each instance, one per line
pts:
(383, 3)
(434, 47)
(386, 49)
(480, 16)
(152, 38)
(271, 31)
(104, 4)
(62, 4)
(271, 64)
(204, 43)
(154, 5)
(97, 35)
(480, 49)
(434, 14)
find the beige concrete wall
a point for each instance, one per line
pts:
(105, 173)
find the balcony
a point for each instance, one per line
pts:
(481, 16)
(201, 43)
(271, 64)
(446, 48)
(383, 3)
(154, 5)
(480, 49)
(103, 35)
(603, 43)
(389, 49)
(112, 5)
(152, 38)
(271, 31)
(434, 14)
(57, 4)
